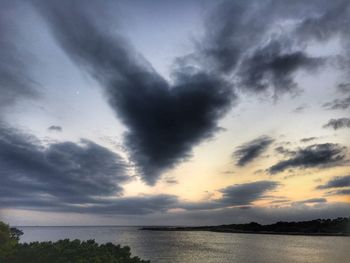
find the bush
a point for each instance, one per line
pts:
(62, 251)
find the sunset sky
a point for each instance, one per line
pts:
(174, 112)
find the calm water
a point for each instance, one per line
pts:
(194, 247)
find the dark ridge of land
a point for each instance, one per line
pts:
(319, 227)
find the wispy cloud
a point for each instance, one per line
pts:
(316, 155)
(308, 139)
(55, 128)
(338, 123)
(336, 182)
(249, 151)
(235, 195)
(337, 104)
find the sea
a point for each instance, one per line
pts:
(202, 247)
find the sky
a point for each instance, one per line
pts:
(174, 112)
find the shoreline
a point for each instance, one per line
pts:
(193, 229)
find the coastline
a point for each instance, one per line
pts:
(223, 230)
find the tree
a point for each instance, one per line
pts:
(62, 251)
(7, 243)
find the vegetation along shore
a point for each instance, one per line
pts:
(326, 227)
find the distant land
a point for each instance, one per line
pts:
(324, 227)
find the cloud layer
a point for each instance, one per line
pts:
(64, 173)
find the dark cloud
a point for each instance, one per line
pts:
(15, 82)
(55, 128)
(242, 40)
(245, 194)
(338, 104)
(284, 151)
(316, 155)
(226, 35)
(344, 88)
(66, 173)
(79, 177)
(236, 195)
(308, 139)
(338, 123)
(336, 182)
(272, 66)
(137, 205)
(249, 151)
(329, 20)
(164, 120)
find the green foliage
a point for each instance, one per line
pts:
(62, 251)
(66, 251)
(15, 233)
(7, 243)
